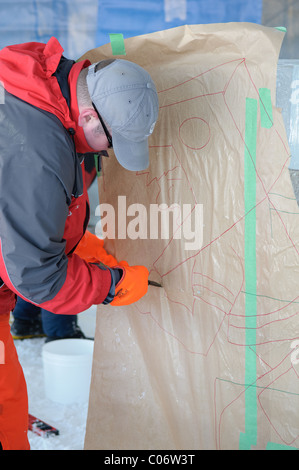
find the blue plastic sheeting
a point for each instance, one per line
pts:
(81, 25)
(72, 22)
(287, 98)
(136, 17)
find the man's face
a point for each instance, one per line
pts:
(94, 132)
(96, 137)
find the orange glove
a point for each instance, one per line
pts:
(91, 249)
(132, 286)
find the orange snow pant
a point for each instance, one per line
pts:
(13, 389)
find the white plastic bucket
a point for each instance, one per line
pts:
(67, 365)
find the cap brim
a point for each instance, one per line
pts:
(133, 156)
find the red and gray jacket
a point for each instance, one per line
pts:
(44, 208)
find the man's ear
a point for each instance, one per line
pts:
(86, 115)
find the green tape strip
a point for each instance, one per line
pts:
(117, 44)
(97, 161)
(266, 108)
(273, 446)
(281, 28)
(249, 438)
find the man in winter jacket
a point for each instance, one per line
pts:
(54, 112)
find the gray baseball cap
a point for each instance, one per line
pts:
(126, 97)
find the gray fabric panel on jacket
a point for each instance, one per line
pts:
(38, 169)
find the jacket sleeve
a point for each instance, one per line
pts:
(85, 285)
(36, 266)
(35, 195)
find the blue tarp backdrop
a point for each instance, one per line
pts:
(83, 25)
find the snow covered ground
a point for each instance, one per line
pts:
(70, 420)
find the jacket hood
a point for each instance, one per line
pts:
(26, 71)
